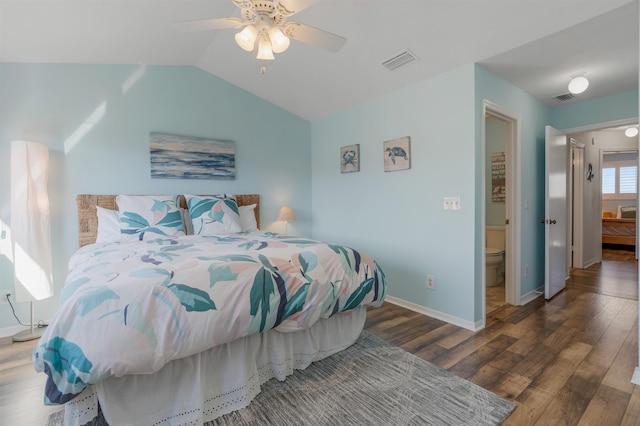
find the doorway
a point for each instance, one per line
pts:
(605, 142)
(500, 150)
(618, 192)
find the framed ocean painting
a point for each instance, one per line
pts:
(191, 157)
(397, 154)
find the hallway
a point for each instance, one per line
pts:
(616, 276)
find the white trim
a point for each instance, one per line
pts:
(10, 331)
(532, 295)
(602, 126)
(513, 209)
(636, 376)
(469, 325)
(576, 209)
(590, 262)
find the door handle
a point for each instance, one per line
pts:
(552, 221)
(542, 221)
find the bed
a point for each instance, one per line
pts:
(619, 231)
(165, 329)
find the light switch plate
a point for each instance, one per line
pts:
(452, 203)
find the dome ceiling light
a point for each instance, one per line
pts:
(578, 84)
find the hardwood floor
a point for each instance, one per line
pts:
(567, 361)
(21, 388)
(495, 298)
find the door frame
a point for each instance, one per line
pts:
(576, 214)
(594, 128)
(601, 154)
(512, 213)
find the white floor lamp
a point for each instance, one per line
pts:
(30, 228)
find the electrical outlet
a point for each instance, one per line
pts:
(431, 282)
(3, 296)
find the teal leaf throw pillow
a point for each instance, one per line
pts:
(146, 217)
(216, 215)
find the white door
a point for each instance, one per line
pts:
(555, 221)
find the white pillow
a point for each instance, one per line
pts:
(214, 215)
(147, 217)
(248, 218)
(108, 225)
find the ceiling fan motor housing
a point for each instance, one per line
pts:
(252, 10)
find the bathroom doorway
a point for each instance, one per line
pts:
(501, 135)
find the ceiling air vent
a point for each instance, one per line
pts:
(564, 97)
(399, 60)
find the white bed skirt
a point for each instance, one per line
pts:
(205, 386)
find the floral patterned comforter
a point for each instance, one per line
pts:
(129, 308)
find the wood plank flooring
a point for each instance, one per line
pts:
(567, 361)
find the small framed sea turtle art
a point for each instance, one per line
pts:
(397, 154)
(350, 158)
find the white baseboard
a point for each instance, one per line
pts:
(590, 262)
(10, 331)
(636, 376)
(531, 296)
(469, 325)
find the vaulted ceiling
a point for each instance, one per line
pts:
(535, 44)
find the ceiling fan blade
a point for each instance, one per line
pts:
(208, 24)
(314, 36)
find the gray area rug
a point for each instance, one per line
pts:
(370, 383)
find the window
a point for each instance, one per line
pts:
(619, 180)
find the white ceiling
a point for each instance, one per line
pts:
(535, 44)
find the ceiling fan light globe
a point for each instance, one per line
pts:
(578, 85)
(264, 50)
(279, 41)
(246, 38)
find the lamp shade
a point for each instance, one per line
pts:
(246, 38)
(30, 223)
(286, 215)
(279, 41)
(264, 49)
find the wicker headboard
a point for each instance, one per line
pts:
(88, 216)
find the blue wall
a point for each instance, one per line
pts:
(601, 110)
(96, 120)
(398, 217)
(534, 116)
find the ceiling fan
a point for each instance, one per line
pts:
(265, 25)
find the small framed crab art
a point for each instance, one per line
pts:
(350, 158)
(397, 154)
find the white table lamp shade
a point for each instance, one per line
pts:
(30, 223)
(286, 215)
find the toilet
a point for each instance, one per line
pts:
(494, 255)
